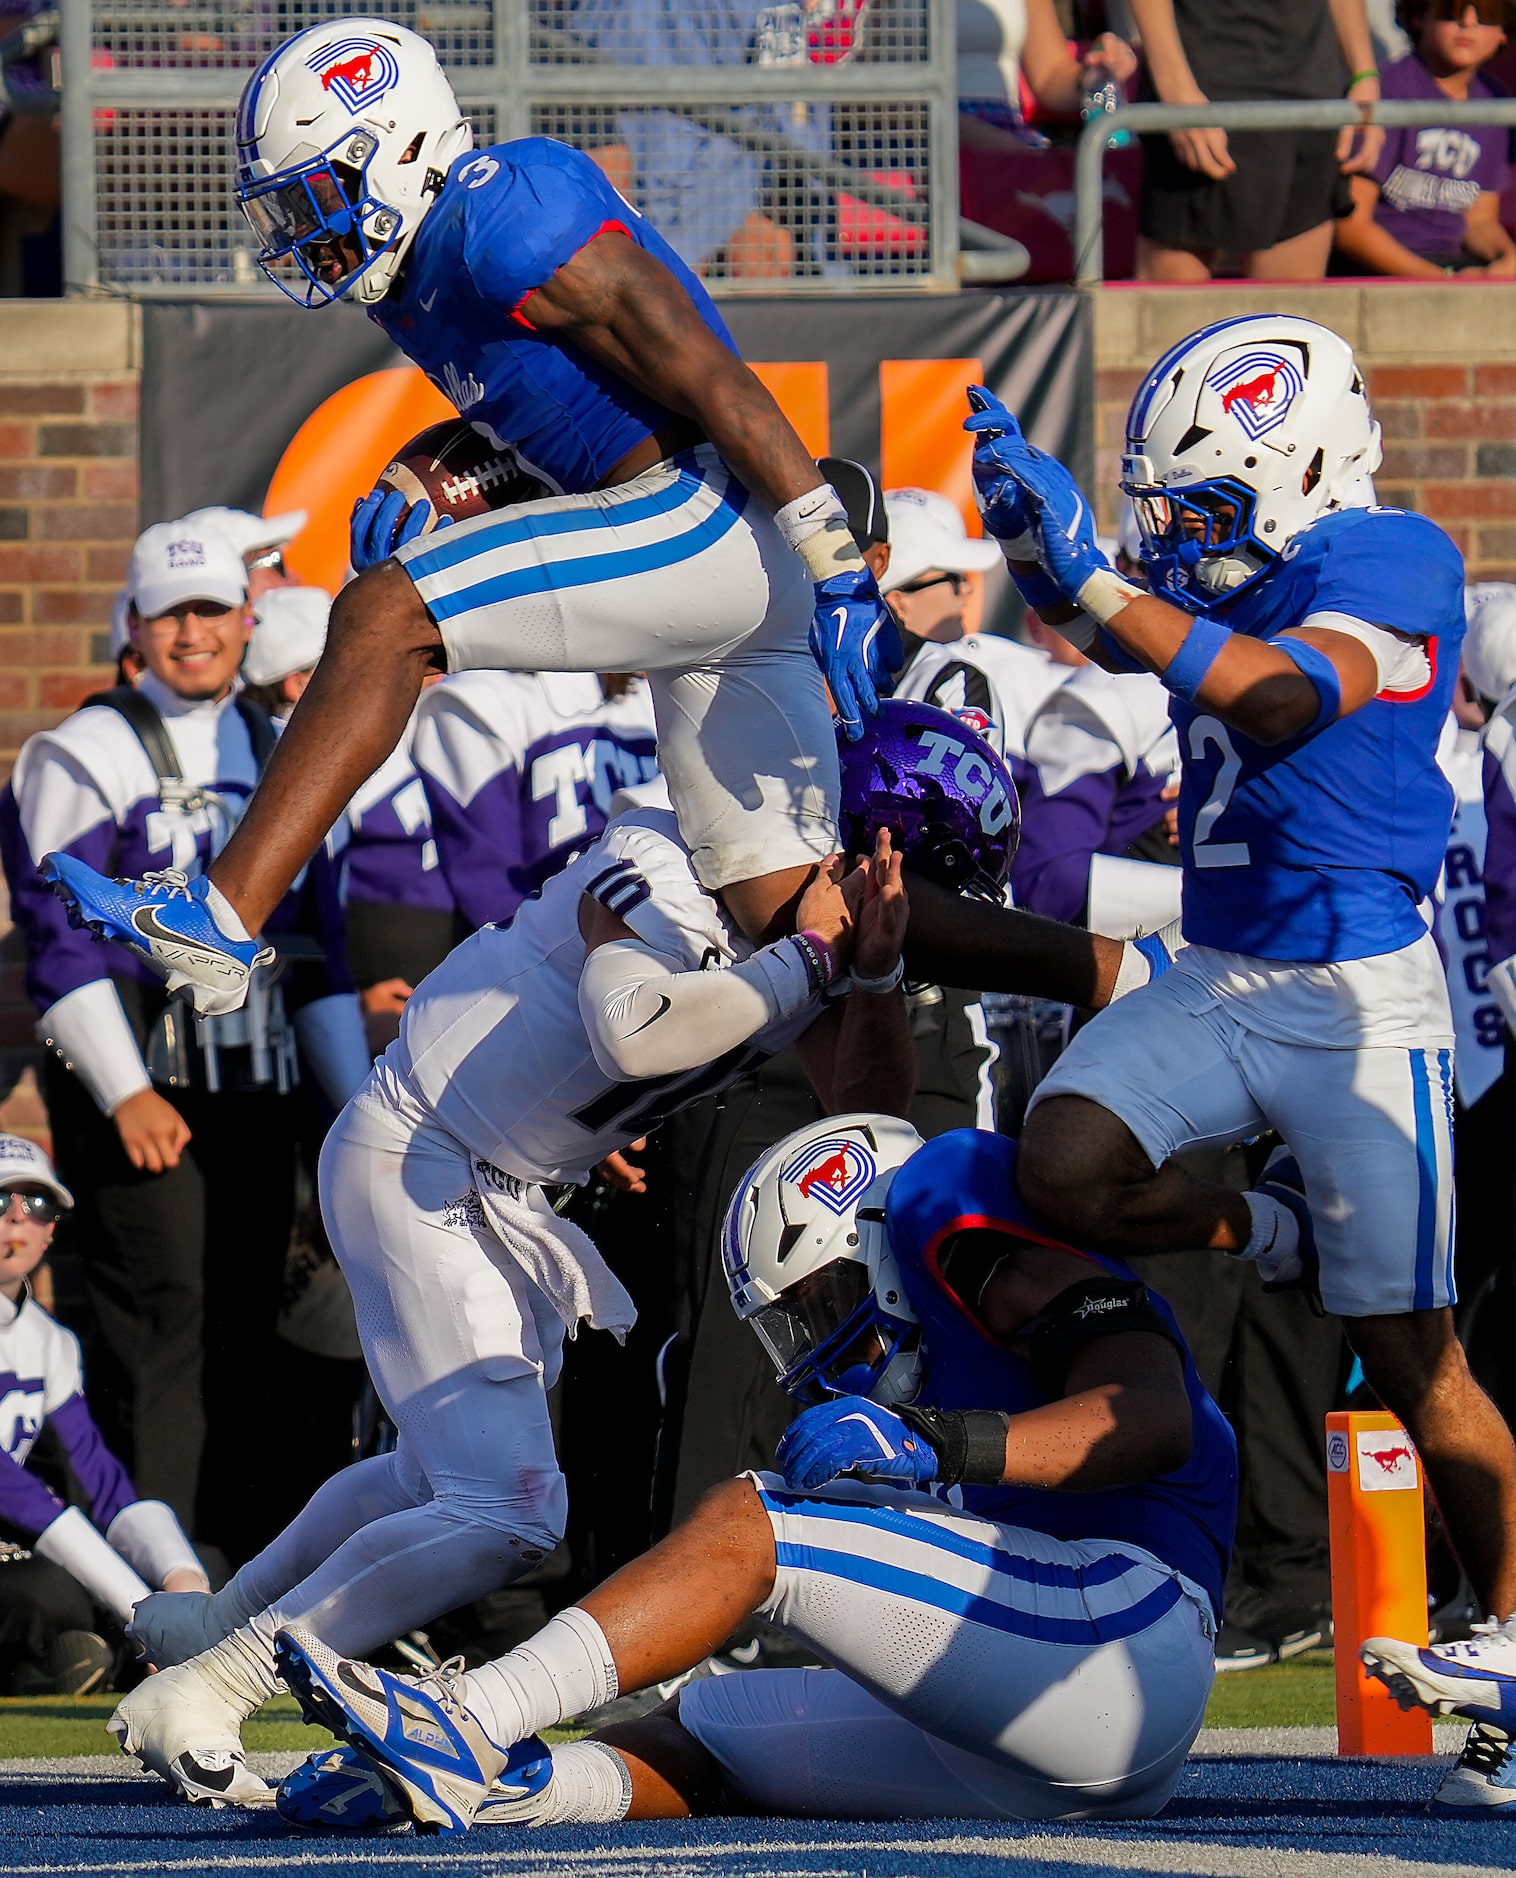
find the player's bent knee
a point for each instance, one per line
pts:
(381, 606)
(1066, 1172)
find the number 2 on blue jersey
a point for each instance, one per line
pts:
(1204, 733)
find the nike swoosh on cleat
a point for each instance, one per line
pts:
(218, 1777)
(145, 922)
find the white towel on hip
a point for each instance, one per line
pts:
(559, 1257)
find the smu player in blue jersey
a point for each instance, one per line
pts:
(1005, 1522)
(690, 535)
(1310, 645)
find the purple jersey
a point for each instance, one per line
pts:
(1500, 834)
(389, 857)
(507, 219)
(519, 770)
(1099, 751)
(1430, 177)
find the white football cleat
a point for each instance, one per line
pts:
(183, 1726)
(1475, 1676)
(1484, 1777)
(170, 1627)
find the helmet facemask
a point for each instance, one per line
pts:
(833, 1333)
(321, 214)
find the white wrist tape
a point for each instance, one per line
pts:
(1136, 968)
(72, 1542)
(646, 1019)
(1103, 596)
(815, 526)
(149, 1537)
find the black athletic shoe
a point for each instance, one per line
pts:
(1240, 1649)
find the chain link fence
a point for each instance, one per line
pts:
(810, 144)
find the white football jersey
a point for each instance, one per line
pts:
(39, 1372)
(492, 1045)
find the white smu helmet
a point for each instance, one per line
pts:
(345, 135)
(1239, 438)
(808, 1265)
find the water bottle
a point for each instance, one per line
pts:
(1098, 92)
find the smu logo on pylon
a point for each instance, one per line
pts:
(1258, 389)
(357, 71)
(834, 1172)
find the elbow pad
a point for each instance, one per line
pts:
(1314, 664)
(645, 1019)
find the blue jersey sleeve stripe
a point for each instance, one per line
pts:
(447, 548)
(993, 1615)
(588, 570)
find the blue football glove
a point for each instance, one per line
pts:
(855, 641)
(1004, 504)
(853, 1436)
(376, 529)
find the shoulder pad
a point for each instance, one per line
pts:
(641, 871)
(1131, 708)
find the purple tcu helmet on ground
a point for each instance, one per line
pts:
(947, 799)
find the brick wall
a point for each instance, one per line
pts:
(1441, 365)
(68, 514)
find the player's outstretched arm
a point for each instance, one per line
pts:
(627, 311)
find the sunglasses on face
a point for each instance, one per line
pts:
(271, 557)
(958, 582)
(41, 1208)
(1491, 12)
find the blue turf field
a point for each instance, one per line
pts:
(1256, 1816)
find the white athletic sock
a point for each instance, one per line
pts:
(224, 913)
(242, 1666)
(1276, 1231)
(591, 1786)
(565, 1670)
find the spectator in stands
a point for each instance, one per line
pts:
(289, 632)
(519, 769)
(57, 1563)
(29, 166)
(1007, 46)
(1268, 198)
(1432, 204)
(175, 1138)
(259, 539)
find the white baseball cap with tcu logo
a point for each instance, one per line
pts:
(24, 1164)
(175, 562)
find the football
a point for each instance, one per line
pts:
(460, 473)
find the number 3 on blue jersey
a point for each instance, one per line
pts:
(1205, 733)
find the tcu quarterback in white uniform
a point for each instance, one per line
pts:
(619, 995)
(1310, 649)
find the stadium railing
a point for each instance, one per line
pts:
(1264, 114)
(849, 148)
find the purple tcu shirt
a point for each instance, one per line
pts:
(1430, 178)
(1500, 836)
(519, 769)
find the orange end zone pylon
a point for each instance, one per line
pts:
(1379, 1573)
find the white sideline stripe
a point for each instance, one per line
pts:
(1188, 1856)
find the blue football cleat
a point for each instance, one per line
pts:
(437, 1755)
(164, 918)
(341, 1790)
(1475, 1677)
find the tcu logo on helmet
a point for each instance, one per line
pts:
(1258, 389)
(834, 1172)
(357, 71)
(974, 775)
